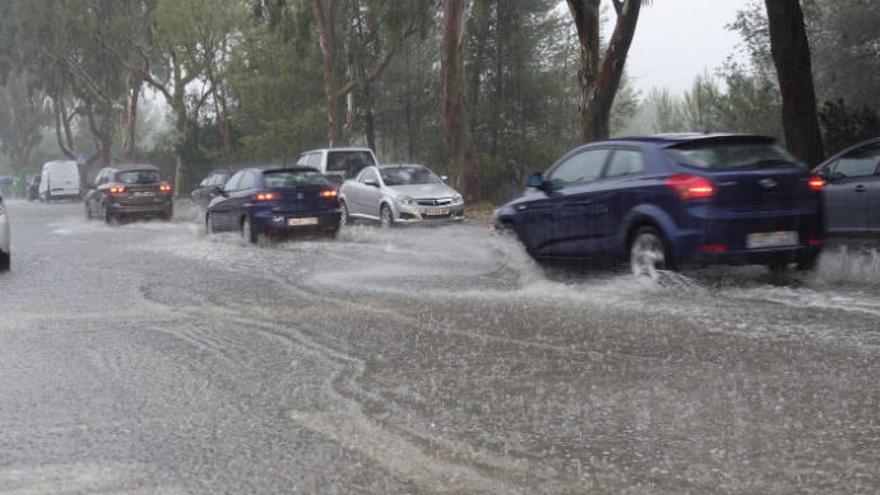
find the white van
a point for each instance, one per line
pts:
(60, 180)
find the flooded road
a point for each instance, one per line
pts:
(149, 358)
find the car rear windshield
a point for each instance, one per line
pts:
(293, 178)
(726, 155)
(134, 177)
(348, 163)
(403, 176)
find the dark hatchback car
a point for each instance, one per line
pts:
(129, 191)
(208, 187)
(852, 196)
(274, 202)
(664, 201)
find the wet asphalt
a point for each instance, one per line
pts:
(149, 358)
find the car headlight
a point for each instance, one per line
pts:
(457, 199)
(406, 201)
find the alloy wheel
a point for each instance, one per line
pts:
(647, 254)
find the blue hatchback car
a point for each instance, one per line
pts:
(665, 201)
(272, 202)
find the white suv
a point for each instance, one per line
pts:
(338, 164)
(5, 253)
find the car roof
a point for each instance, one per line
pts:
(336, 149)
(134, 166)
(399, 165)
(286, 169)
(674, 139)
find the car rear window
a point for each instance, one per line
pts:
(348, 163)
(133, 177)
(727, 155)
(293, 178)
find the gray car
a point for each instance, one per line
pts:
(853, 190)
(400, 194)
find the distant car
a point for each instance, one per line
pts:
(338, 164)
(663, 201)
(129, 191)
(208, 187)
(852, 196)
(392, 194)
(5, 251)
(60, 180)
(273, 202)
(33, 189)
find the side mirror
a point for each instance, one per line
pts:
(536, 180)
(218, 191)
(834, 177)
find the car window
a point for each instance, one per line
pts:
(293, 178)
(248, 181)
(583, 167)
(348, 163)
(401, 176)
(232, 183)
(135, 177)
(625, 162)
(368, 176)
(860, 162)
(728, 155)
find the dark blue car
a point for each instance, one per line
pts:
(665, 201)
(273, 202)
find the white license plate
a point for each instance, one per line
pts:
(144, 194)
(781, 238)
(436, 212)
(299, 222)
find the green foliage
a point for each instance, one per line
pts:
(843, 126)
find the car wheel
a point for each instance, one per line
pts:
(343, 214)
(209, 224)
(5, 261)
(88, 212)
(105, 214)
(647, 253)
(247, 231)
(386, 216)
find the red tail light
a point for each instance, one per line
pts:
(691, 186)
(816, 242)
(328, 193)
(165, 187)
(713, 248)
(816, 183)
(117, 189)
(267, 196)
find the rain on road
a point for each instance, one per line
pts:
(149, 358)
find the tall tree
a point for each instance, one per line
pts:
(460, 145)
(23, 117)
(600, 76)
(791, 55)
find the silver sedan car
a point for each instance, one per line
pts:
(402, 194)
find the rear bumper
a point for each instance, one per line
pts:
(163, 208)
(724, 240)
(279, 223)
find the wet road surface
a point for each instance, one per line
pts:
(149, 358)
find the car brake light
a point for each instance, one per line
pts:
(165, 187)
(713, 248)
(117, 189)
(267, 196)
(328, 193)
(816, 183)
(816, 242)
(691, 186)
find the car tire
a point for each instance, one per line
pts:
(343, 214)
(648, 254)
(247, 231)
(386, 216)
(5, 261)
(106, 216)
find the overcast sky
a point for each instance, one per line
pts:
(677, 39)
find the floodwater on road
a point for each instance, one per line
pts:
(151, 358)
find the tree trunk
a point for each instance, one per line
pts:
(325, 29)
(600, 78)
(129, 142)
(462, 156)
(791, 55)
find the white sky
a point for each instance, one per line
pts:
(676, 40)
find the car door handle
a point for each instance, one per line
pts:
(860, 188)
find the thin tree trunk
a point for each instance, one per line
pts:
(791, 55)
(462, 156)
(325, 29)
(131, 115)
(600, 78)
